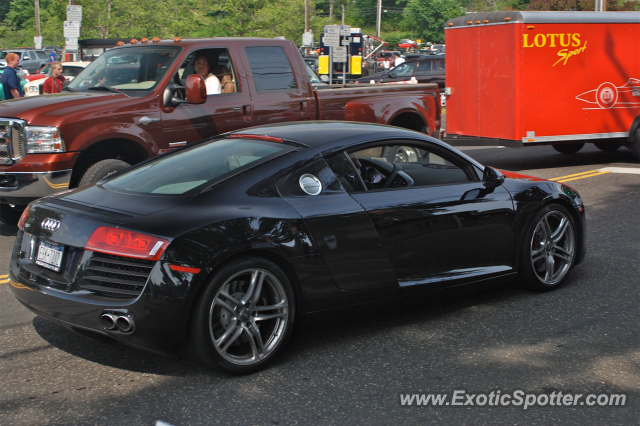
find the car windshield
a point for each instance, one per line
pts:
(191, 170)
(127, 69)
(69, 71)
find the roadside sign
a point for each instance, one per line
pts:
(345, 42)
(340, 54)
(38, 42)
(331, 35)
(71, 43)
(72, 29)
(345, 30)
(307, 39)
(74, 13)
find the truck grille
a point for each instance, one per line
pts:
(116, 276)
(11, 140)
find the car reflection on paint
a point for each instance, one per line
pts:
(220, 245)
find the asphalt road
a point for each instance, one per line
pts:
(350, 366)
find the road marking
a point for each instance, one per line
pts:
(3, 276)
(575, 174)
(582, 177)
(629, 170)
(4, 281)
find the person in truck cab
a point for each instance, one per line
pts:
(202, 67)
(226, 81)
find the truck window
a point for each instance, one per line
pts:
(271, 68)
(220, 65)
(41, 54)
(424, 68)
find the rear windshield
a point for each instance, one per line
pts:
(191, 170)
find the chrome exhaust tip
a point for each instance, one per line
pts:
(125, 324)
(109, 321)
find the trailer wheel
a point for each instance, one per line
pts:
(634, 146)
(607, 146)
(568, 148)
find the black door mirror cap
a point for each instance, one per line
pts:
(492, 178)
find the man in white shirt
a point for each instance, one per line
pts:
(202, 67)
(398, 61)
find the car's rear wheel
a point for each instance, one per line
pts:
(549, 249)
(244, 317)
(101, 170)
(568, 148)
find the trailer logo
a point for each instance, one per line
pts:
(563, 40)
(607, 95)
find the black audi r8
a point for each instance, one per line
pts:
(221, 244)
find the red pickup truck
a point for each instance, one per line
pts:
(143, 98)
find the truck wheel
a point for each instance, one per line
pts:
(10, 215)
(568, 148)
(101, 170)
(635, 146)
(607, 146)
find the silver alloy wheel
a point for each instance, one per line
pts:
(248, 316)
(552, 247)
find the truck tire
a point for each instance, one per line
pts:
(101, 170)
(634, 146)
(568, 148)
(607, 146)
(10, 215)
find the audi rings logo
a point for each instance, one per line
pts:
(50, 224)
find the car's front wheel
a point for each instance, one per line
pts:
(244, 317)
(549, 249)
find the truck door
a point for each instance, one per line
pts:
(281, 90)
(221, 113)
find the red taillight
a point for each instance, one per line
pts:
(185, 269)
(262, 137)
(23, 218)
(126, 243)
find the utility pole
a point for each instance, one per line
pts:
(331, 11)
(306, 22)
(37, 7)
(343, 14)
(379, 18)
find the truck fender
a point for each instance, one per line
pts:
(383, 110)
(104, 131)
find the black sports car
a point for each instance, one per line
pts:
(219, 245)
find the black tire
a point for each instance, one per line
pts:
(607, 146)
(10, 215)
(634, 146)
(101, 170)
(236, 337)
(540, 245)
(568, 148)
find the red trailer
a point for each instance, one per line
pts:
(534, 78)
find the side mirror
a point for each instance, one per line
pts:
(492, 178)
(172, 95)
(196, 89)
(324, 78)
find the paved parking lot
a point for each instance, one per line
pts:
(350, 366)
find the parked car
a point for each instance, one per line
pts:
(21, 76)
(407, 44)
(30, 60)
(279, 221)
(139, 100)
(427, 69)
(69, 71)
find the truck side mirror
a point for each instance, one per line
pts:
(492, 178)
(324, 78)
(173, 96)
(196, 89)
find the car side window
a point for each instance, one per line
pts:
(271, 68)
(220, 65)
(41, 54)
(346, 172)
(424, 68)
(403, 164)
(403, 70)
(438, 67)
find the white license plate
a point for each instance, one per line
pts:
(50, 256)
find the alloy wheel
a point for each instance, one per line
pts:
(552, 247)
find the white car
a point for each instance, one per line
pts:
(69, 71)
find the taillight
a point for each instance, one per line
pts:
(23, 218)
(126, 243)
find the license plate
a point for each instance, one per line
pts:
(50, 256)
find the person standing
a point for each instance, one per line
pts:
(55, 82)
(398, 60)
(10, 80)
(52, 56)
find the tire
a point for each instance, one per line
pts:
(635, 146)
(101, 170)
(568, 148)
(607, 146)
(549, 249)
(10, 215)
(234, 332)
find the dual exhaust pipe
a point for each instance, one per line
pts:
(123, 323)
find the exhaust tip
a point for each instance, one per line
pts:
(125, 324)
(109, 321)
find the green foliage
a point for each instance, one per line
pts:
(428, 17)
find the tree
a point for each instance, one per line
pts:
(428, 17)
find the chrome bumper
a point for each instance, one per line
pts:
(22, 188)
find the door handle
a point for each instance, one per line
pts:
(237, 108)
(303, 108)
(146, 120)
(246, 111)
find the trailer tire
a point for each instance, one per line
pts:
(607, 146)
(101, 170)
(568, 148)
(11, 215)
(634, 146)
